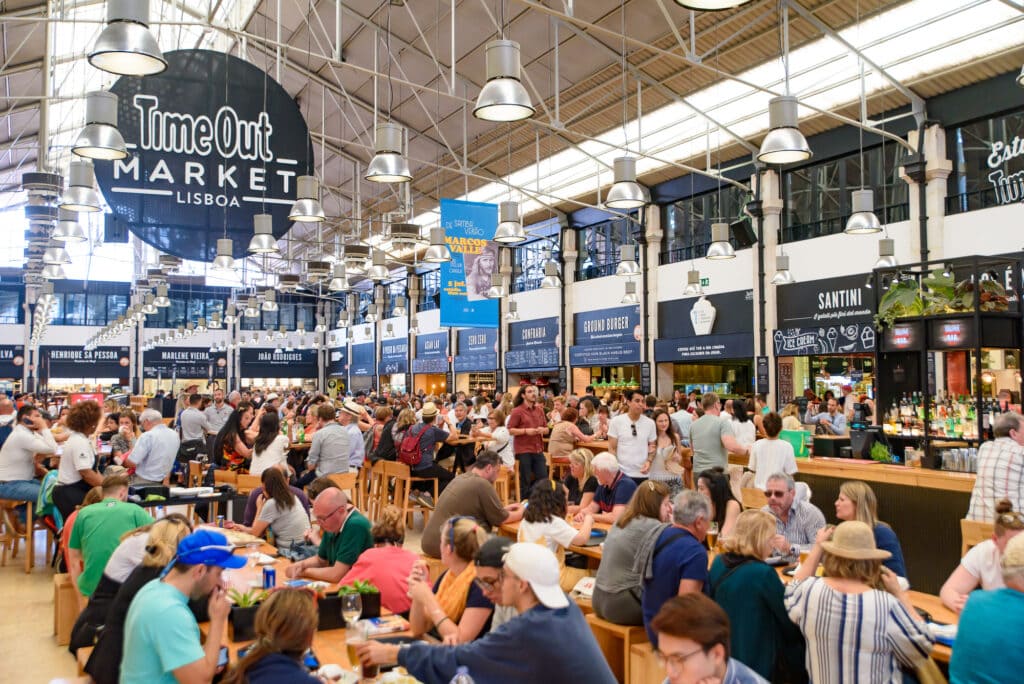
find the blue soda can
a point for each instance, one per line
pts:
(269, 577)
(220, 521)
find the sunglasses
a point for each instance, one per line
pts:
(775, 494)
(633, 426)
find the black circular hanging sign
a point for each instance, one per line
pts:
(212, 142)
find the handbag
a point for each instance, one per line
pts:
(188, 450)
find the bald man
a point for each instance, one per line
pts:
(346, 535)
(6, 418)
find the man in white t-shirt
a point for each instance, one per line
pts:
(771, 455)
(632, 437)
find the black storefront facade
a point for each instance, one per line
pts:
(167, 367)
(532, 355)
(12, 366)
(362, 367)
(606, 353)
(393, 369)
(278, 368)
(825, 337)
(72, 368)
(430, 368)
(707, 344)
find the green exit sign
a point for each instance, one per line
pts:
(704, 282)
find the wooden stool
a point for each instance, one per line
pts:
(65, 607)
(245, 483)
(403, 478)
(973, 532)
(346, 482)
(753, 498)
(377, 496)
(82, 656)
(643, 665)
(10, 537)
(615, 642)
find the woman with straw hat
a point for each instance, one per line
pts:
(857, 619)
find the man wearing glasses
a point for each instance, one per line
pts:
(548, 641)
(796, 522)
(346, 535)
(693, 643)
(632, 437)
(489, 561)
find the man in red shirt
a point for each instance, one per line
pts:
(528, 425)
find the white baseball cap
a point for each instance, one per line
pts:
(272, 396)
(536, 565)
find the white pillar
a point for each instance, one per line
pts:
(771, 223)
(649, 300)
(570, 255)
(937, 170)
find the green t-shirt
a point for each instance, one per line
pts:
(97, 532)
(346, 545)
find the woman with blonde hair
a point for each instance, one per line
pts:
(387, 565)
(498, 438)
(161, 545)
(791, 417)
(580, 483)
(285, 625)
(857, 502)
(456, 607)
(761, 636)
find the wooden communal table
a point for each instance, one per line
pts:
(511, 530)
(597, 446)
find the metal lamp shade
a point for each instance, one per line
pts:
(224, 261)
(81, 194)
(388, 164)
(306, 208)
(161, 301)
(1020, 78)
(625, 192)
(269, 300)
(263, 241)
(252, 309)
(782, 274)
(371, 313)
(710, 5)
(720, 247)
(784, 144)
(630, 297)
(414, 326)
(100, 138)
(379, 270)
(356, 257)
(398, 309)
(438, 252)
(56, 255)
(551, 280)
(497, 289)
(339, 280)
(126, 46)
(320, 325)
(149, 308)
(627, 262)
(863, 219)
(513, 311)
(406, 234)
(53, 272)
(68, 228)
(503, 97)
(693, 286)
(510, 230)
(886, 253)
(230, 314)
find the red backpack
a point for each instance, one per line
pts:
(409, 451)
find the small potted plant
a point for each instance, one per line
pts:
(329, 608)
(242, 617)
(368, 594)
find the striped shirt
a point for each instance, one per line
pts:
(1000, 476)
(855, 637)
(805, 519)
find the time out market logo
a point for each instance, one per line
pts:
(212, 142)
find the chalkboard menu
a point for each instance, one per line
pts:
(533, 345)
(645, 377)
(433, 365)
(532, 358)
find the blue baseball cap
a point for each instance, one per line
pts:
(208, 547)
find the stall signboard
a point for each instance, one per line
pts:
(214, 141)
(12, 361)
(184, 362)
(609, 337)
(951, 334)
(830, 316)
(903, 336)
(645, 377)
(337, 362)
(76, 362)
(273, 363)
(363, 360)
(477, 350)
(533, 345)
(763, 384)
(729, 312)
(394, 357)
(732, 346)
(431, 353)
(465, 279)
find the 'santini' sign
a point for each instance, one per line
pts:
(213, 142)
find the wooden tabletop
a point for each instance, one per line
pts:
(511, 530)
(596, 446)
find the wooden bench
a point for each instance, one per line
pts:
(65, 607)
(615, 642)
(643, 665)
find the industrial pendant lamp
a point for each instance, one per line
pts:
(269, 300)
(81, 194)
(149, 307)
(710, 5)
(551, 280)
(263, 241)
(693, 286)
(414, 326)
(100, 138)
(625, 192)
(438, 252)
(513, 311)
(356, 257)
(720, 247)
(371, 313)
(252, 309)
(627, 262)
(230, 315)
(863, 219)
(339, 281)
(321, 326)
(388, 164)
(399, 308)
(126, 46)
(68, 228)
(161, 301)
(379, 270)
(784, 144)
(224, 261)
(630, 297)
(55, 254)
(503, 97)
(510, 229)
(886, 253)
(307, 207)
(53, 272)
(782, 274)
(497, 289)
(1020, 78)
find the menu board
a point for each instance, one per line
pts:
(532, 358)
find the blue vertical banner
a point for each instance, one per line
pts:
(468, 229)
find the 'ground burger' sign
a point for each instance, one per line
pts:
(212, 141)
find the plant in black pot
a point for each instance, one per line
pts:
(329, 608)
(368, 594)
(242, 616)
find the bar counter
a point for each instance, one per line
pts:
(923, 506)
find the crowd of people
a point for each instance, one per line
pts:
(681, 557)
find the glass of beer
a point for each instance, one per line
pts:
(355, 636)
(712, 535)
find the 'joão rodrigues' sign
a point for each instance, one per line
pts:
(212, 142)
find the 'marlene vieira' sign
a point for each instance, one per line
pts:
(213, 141)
